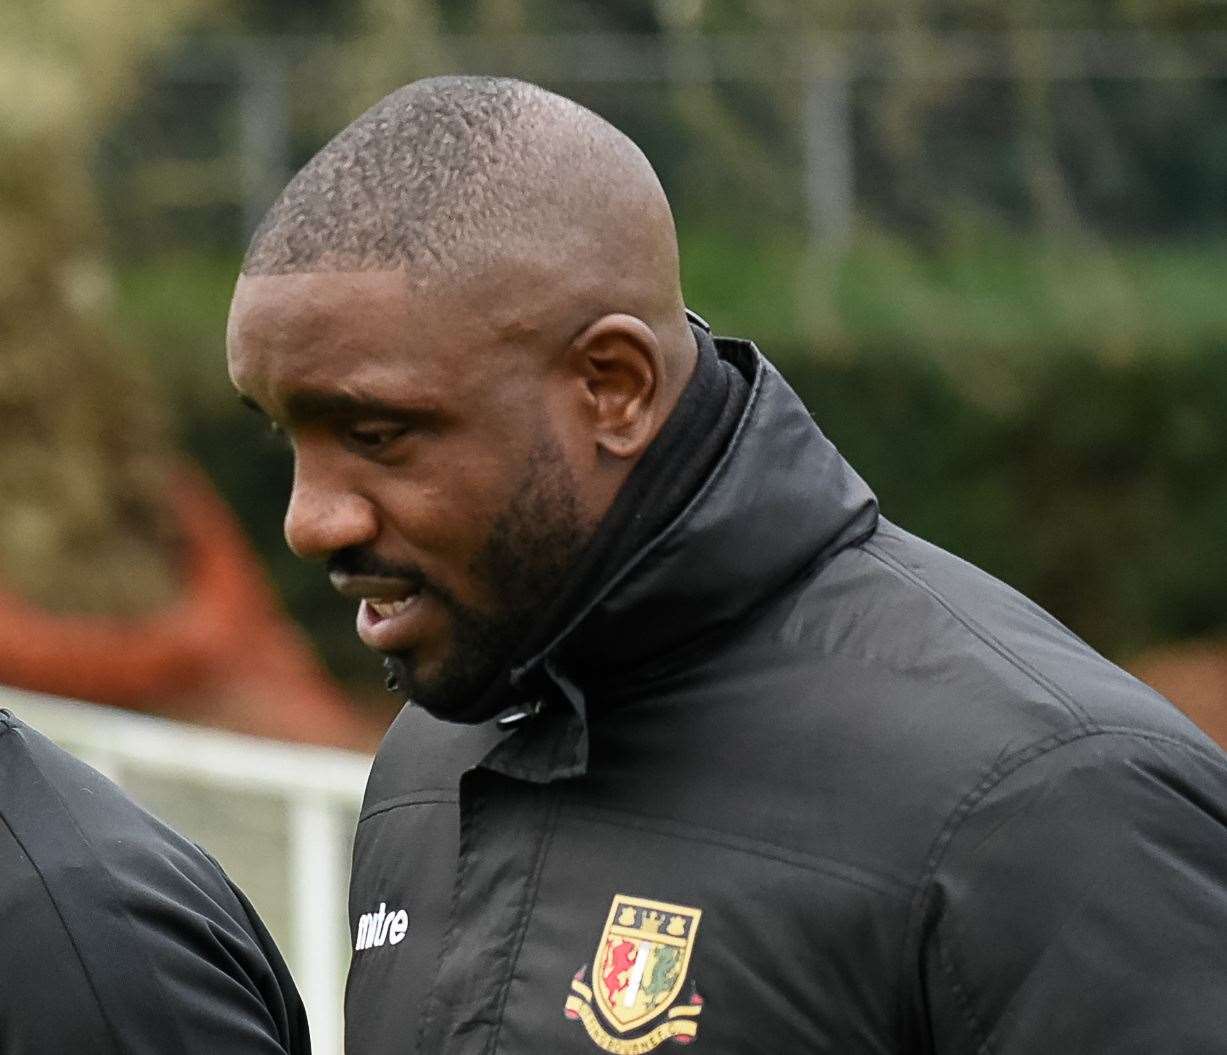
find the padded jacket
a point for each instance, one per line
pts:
(796, 781)
(121, 937)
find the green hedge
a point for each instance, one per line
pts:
(1098, 488)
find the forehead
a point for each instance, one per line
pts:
(337, 330)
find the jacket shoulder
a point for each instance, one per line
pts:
(48, 1003)
(1009, 665)
(859, 709)
(152, 922)
(1090, 862)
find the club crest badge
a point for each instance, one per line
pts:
(637, 994)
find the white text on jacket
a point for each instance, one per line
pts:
(375, 928)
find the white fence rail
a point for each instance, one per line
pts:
(280, 818)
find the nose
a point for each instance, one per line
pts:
(323, 517)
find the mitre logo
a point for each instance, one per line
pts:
(631, 998)
(378, 928)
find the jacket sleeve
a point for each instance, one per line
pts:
(1080, 904)
(118, 934)
(88, 969)
(46, 1001)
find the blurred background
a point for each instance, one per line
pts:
(985, 242)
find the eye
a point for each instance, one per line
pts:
(373, 438)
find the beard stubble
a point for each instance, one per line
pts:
(533, 545)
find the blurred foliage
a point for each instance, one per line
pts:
(982, 298)
(1021, 342)
(83, 443)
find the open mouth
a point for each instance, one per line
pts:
(390, 624)
(386, 609)
(389, 608)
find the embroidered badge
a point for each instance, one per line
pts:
(631, 998)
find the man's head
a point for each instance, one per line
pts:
(466, 316)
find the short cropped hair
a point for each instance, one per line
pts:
(440, 166)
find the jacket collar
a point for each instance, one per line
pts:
(778, 502)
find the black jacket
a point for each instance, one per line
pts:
(118, 936)
(800, 782)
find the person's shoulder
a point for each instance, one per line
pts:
(1090, 862)
(140, 915)
(77, 822)
(903, 680)
(956, 638)
(93, 846)
(47, 994)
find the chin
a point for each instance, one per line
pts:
(447, 691)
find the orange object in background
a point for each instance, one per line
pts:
(225, 654)
(1194, 677)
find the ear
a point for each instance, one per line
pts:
(621, 368)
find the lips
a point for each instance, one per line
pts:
(391, 625)
(390, 609)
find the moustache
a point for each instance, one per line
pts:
(355, 561)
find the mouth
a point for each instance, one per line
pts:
(389, 609)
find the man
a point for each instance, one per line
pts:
(701, 749)
(120, 937)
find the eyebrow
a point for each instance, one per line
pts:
(312, 406)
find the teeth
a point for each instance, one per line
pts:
(387, 609)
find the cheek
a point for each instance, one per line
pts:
(570, 426)
(442, 525)
(439, 518)
(567, 413)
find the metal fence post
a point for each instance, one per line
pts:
(318, 890)
(264, 123)
(830, 190)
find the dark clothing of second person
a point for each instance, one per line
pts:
(790, 779)
(117, 935)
